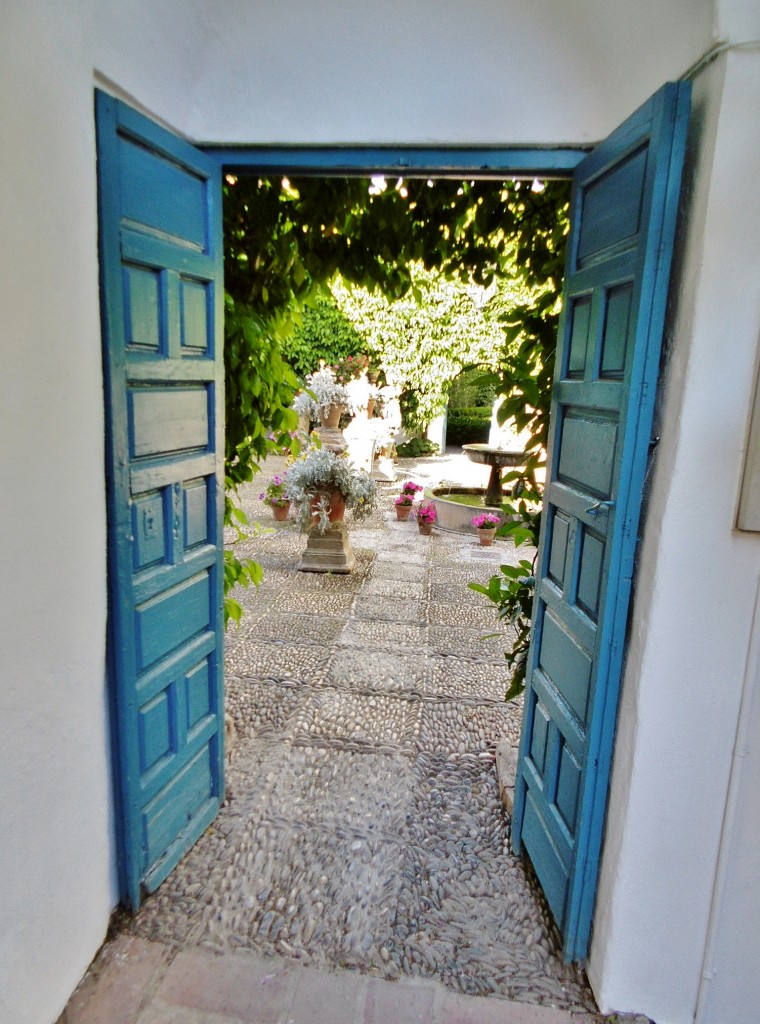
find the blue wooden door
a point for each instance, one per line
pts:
(625, 198)
(161, 294)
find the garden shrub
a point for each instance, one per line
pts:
(468, 426)
(416, 448)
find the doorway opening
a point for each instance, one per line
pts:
(363, 826)
(602, 404)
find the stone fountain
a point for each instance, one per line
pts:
(497, 459)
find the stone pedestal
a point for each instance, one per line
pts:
(331, 438)
(328, 551)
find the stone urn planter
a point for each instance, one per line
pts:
(336, 506)
(281, 512)
(486, 536)
(331, 418)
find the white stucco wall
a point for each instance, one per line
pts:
(696, 588)
(494, 71)
(435, 70)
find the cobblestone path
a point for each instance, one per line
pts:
(363, 827)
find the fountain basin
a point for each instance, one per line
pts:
(454, 515)
(488, 456)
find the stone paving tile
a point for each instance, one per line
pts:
(482, 616)
(261, 706)
(399, 571)
(357, 669)
(454, 728)
(401, 552)
(240, 986)
(115, 988)
(284, 895)
(391, 1004)
(391, 609)
(371, 634)
(344, 717)
(313, 602)
(364, 792)
(458, 594)
(458, 576)
(460, 1010)
(377, 586)
(285, 627)
(472, 643)
(297, 661)
(461, 677)
(326, 583)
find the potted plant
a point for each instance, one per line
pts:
(330, 396)
(323, 484)
(276, 498)
(406, 499)
(425, 516)
(486, 524)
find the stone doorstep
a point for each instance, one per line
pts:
(506, 770)
(141, 982)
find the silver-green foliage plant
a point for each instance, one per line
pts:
(323, 391)
(318, 472)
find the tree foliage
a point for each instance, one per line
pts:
(324, 333)
(426, 338)
(285, 240)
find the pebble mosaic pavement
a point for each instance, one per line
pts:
(362, 827)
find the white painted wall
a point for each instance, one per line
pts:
(731, 982)
(695, 592)
(493, 71)
(440, 71)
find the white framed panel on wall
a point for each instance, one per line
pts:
(748, 515)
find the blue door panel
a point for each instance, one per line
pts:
(166, 421)
(142, 308)
(196, 316)
(610, 213)
(161, 267)
(169, 813)
(547, 862)
(623, 222)
(169, 620)
(161, 194)
(587, 452)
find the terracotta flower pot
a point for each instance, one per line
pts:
(402, 512)
(332, 417)
(486, 537)
(425, 528)
(337, 504)
(280, 512)
(371, 403)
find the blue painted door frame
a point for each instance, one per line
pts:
(624, 207)
(161, 283)
(159, 204)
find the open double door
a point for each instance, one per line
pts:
(161, 273)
